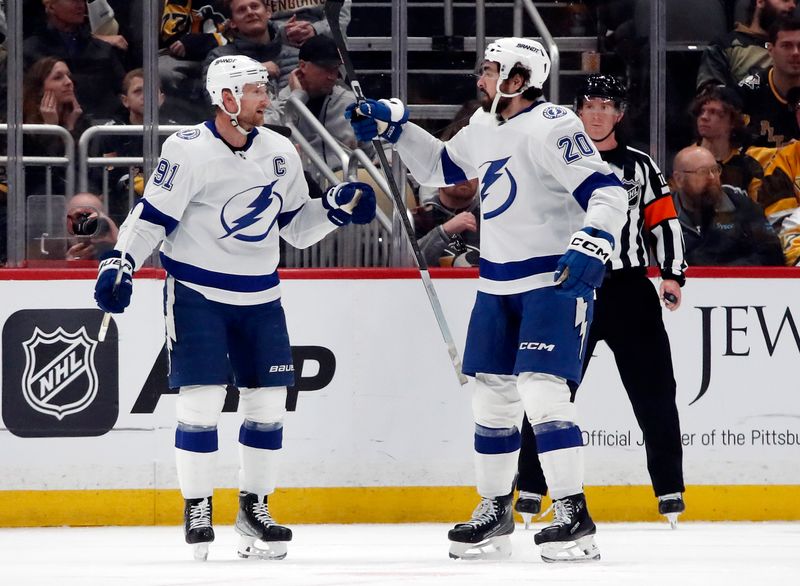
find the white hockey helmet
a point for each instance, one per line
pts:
(233, 73)
(526, 53)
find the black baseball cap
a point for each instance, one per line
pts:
(320, 50)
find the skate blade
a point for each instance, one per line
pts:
(200, 551)
(580, 550)
(527, 519)
(673, 520)
(267, 550)
(494, 548)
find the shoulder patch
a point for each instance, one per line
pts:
(188, 133)
(552, 112)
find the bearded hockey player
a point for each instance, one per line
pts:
(221, 195)
(543, 189)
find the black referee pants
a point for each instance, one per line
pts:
(627, 316)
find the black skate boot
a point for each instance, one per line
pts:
(671, 505)
(255, 523)
(485, 536)
(570, 537)
(528, 504)
(197, 526)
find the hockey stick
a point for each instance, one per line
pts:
(135, 213)
(332, 9)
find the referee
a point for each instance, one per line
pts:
(641, 348)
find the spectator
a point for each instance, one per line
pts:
(790, 238)
(49, 98)
(187, 36)
(132, 99)
(256, 37)
(96, 65)
(733, 57)
(314, 83)
(721, 225)
(764, 91)
(779, 193)
(299, 21)
(92, 233)
(447, 226)
(720, 127)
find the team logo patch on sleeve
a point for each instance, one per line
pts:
(552, 112)
(188, 133)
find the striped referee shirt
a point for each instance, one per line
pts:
(652, 228)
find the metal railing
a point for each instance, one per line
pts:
(67, 161)
(552, 47)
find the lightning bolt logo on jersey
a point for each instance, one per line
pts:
(504, 192)
(219, 211)
(260, 214)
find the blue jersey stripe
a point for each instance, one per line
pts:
(518, 269)
(286, 217)
(452, 173)
(205, 278)
(154, 216)
(594, 181)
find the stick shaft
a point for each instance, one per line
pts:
(332, 9)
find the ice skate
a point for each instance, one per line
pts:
(254, 523)
(528, 504)
(485, 536)
(671, 505)
(570, 537)
(197, 526)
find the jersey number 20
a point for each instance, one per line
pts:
(575, 147)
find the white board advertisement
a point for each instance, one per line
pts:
(377, 402)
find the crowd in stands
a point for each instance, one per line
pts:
(83, 67)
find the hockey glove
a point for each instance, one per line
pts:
(343, 207)
(109, 298)
(371, 118)
(584, 262)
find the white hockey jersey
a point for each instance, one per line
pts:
(541, 180)
(218, 211)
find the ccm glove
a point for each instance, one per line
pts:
(109, 298)
(372, 118)
(343, 207)
(584, 262)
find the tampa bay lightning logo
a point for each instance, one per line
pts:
(188, 133)
(554, 112)
(498, 188)
(250, 214)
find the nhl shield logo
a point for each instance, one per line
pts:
(60, 376)
(634, 189)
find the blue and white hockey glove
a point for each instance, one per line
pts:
(384, 118)
(109, 298)
(584, 263)
(348, 202)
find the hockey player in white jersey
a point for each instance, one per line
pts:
(221, 195)
(543, 189)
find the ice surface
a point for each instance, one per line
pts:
(641, 554)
